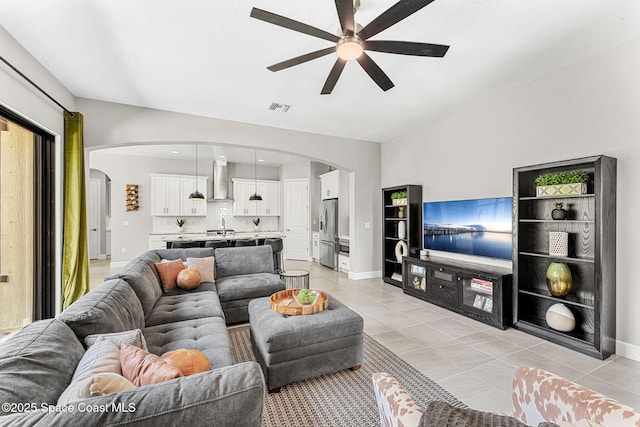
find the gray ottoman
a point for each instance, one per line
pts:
(294, 348)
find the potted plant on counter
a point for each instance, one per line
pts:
(180, 223)
(559, 184)
(256, 224)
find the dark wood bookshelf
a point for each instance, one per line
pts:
(591, 225)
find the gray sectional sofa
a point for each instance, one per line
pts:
(38, 363)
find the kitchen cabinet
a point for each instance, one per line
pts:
(244, 188)
(165, 195)
(330, 185)
(335, 185)
(170, 195)
(192, 207)
(270, 204)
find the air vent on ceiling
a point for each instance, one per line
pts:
(275, 106)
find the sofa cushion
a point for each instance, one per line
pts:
(133, 337)
(143, 368)
(183, 253)
(248, 286)
(110, 307)
(168, 271)
(243, 260)
(38, 362)
(438, 414)
(101, 358)
(141, 275)
(209, 335)
(176, 308)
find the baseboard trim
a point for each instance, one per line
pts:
(118, 264)
(102, 256)
(365, 275)
(630, 351)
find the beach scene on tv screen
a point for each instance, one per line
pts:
(479, 227)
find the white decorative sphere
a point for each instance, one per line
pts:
(560, 318)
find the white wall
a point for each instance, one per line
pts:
(108, 124)
(20, 97)
(589, 108)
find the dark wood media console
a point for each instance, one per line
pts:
(481, 292)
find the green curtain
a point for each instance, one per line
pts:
(75, 247)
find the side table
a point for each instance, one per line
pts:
(295, 279)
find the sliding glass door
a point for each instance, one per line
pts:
(26, 225)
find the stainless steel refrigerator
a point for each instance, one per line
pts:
(329, 233)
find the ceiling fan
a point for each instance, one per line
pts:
(353, 41)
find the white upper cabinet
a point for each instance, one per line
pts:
(330, 185)
(244, 188)
(170, 195)
(193, 207)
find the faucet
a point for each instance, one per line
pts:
(224, 231)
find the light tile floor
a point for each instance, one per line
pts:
(473, 361)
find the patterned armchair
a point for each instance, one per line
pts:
(539, 395)
(539, 398)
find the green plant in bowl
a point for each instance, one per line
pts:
(306, 297)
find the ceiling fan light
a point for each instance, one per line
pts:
(349, 47)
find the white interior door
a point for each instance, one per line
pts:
(93, 214)
(296, 218)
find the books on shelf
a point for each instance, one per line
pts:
(480, 285)
(483, 303)
(396, 276)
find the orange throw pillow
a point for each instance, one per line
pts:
(188, 361)
(143, 368)
(168, 272)
(188, 279)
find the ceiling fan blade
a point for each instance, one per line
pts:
(301, 59)
(407, 48)
(375, 72)
(345, 14)
(333, 76)
(393, 15)
(291, 24)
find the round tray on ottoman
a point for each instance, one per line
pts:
(284, 302)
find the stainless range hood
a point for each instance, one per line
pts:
(220, 180)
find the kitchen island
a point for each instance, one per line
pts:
(163, 241)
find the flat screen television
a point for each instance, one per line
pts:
(479, 227)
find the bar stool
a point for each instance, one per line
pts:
(185, 244)
(215, 244)
(276, 246)
(246, 242)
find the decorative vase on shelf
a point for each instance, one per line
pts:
(180, 230)
(560, 318)
(559, 280)
(402, 229)
(558, 243)
(559, 213)
(400, 211)
(401, 250)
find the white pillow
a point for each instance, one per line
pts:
(101, 358)
(133, 337)
(97, 385)
(205, 266)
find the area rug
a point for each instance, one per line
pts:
(345, 398)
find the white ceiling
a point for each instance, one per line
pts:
(209, 57)
(207, 153)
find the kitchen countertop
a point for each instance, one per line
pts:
(234, 236)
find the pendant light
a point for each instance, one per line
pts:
(255, 197)
(196, 195)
